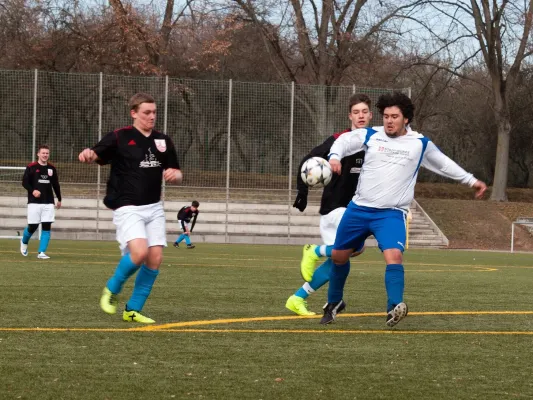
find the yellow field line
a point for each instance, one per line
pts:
(169, 327)
(293, 317)
(351, 332)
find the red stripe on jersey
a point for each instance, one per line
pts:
(32, 164)
(123, 128)
(50, 165)
(336, 135)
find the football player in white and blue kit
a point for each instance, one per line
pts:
(393, 157)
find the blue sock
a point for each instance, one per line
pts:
(304, 294)
(394, 283)
(180, 238)
(337, 280)
(124, 270)
(43, 243)
(321, 275)
(143, 286)
(26, 236)
(188, 240)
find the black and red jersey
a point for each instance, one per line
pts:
(137, 164)
(186, 214)
(42, 178)
(339, 192)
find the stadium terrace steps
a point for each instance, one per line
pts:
(247, 223)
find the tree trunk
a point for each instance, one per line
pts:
(501, 170)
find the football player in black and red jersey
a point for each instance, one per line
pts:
(187, 219)
(39, 179)
(140, 159)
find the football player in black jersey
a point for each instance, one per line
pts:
(140, 159)
(39, 179)
(187, 216)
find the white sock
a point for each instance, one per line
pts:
(322, 250)
(308, 289)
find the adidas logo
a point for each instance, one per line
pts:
(132, 143)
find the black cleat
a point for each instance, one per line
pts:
(191, 246)
(331, 310)
(397, 314)
(176, 245)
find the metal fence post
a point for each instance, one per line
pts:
(291, 131)
(99, 176)
(228, 160)
(165, 119)
(34, 119)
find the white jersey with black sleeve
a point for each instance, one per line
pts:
(391, 166)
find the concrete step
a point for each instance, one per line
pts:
(250, 223)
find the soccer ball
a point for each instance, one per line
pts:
(316, 172)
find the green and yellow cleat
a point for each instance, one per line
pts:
(308, 263)
(135, 316)
(298, 305)
(108, 301)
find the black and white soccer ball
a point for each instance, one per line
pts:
(316, 172)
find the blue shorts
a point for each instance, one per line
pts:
(358, 223)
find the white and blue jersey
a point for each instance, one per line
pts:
(387, 183)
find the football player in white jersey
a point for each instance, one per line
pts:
(393, 157)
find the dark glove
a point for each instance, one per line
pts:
(301, 201)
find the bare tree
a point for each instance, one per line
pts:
(323, 38)
(499, 37)
(155, 41)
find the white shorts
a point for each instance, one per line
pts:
(140, 222)
(38, 213)
(329, 224)
(187, 224)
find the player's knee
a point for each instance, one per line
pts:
(138, 255)
(393, 256)
(32, 228)
(155, 257)
(340, 256)
(46, 226)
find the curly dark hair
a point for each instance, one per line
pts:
(398, 99)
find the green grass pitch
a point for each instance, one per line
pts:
(223, 332)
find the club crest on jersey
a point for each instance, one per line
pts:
(50, 172)
(161, 145)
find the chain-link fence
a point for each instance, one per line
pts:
(235, 140)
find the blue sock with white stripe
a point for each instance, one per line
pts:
(143, 286)
(319, 279)
(43, 243)
(337, 280)
(394, 284)
(323, 251)
(124, 270)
